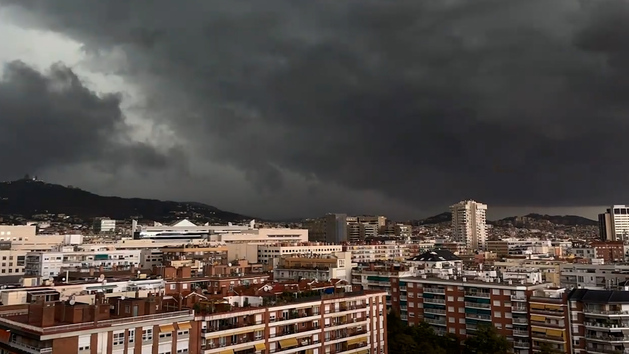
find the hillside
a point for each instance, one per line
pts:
(520, 221)
(29, 197)
(567, 220)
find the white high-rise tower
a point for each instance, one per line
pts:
(469, 223)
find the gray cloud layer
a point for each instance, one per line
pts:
(520, 102)
(51, 120)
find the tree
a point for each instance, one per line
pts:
(487, 341)
(403, 344)
(547, 348)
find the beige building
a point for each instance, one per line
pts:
(469, 224)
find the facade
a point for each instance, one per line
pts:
(378, 277)
(47, 265)
(458, 306)
(614, 223)
(195, 257)
(600, 321)
(17, 232)
(184, 229)
(266, 253)
(609, 251)
(112, 326)
(436, 262)
(361, 227)
(469, 224)
(342, 323)
(104, 225)
(331, 228)
(318, 267)
(550, 324)
(380, 252)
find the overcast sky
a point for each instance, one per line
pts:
(283, 108)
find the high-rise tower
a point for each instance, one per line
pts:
(469, 223)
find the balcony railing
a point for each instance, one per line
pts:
(433, 321)
(477, 294)
(478, 317)
(29, 348)
(477, 304)
(435, 290)
(175, 315)
(608, 338)
(434, 301)
(518, 298)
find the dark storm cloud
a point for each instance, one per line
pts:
(520, 102)
(51, 120)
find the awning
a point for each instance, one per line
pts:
(538, 318)
(260, 346)
(287, 343)
(538, 306)
(166, 328)
(538, 330)
(184, 326)
(356, 340)
(309, 351)
(366, 351)
(553, 307)
(554, 333)
(228, 351)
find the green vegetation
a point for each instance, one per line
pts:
(403, 339)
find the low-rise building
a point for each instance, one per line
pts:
(316, 267)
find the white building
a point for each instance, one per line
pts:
(387, 251)
(104, 225)
(469, 223)
(319, 268)
(266, 253)
(46, 265)
(439, 262)
(614, 224)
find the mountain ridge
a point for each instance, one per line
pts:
(567, 220)
(28, 197)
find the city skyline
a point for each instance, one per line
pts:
(281, 110)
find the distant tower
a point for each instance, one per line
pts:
(469, 224)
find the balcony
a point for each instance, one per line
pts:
(435, 322)
(519, 309)
(434, 290)
(521, 345)
(478, 294)
(605, 312)
(477, 305)
(434, 310)
(475, 316)
(606, 326)
(517, 320)
(518, 298)
(520, 333)
(29, 348)
(608, 338)
(434, 301)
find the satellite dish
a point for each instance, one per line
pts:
(72, 302)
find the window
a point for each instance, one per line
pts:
(495, 291)
(461, 309)
(497, 303)
(450, 308)
(119, 338)
(498, 314)
(450, 298)
(86, 348)
(451, 319)
(131, 335)
(147, 335)
(182, 333)
(173, 286)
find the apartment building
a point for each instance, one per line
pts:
(47, 265)
(550, 325)
(102, 225)
(336, 323)
(593, 276)
(112, 326)
(194, 257)
(378, 252)
(614, 223)
(599, 321)
(377, 276)
(459, 306)
(266, 253)
(362, 227)
(469, 224)
(316, 267)
(437, 262)
(331, 228)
